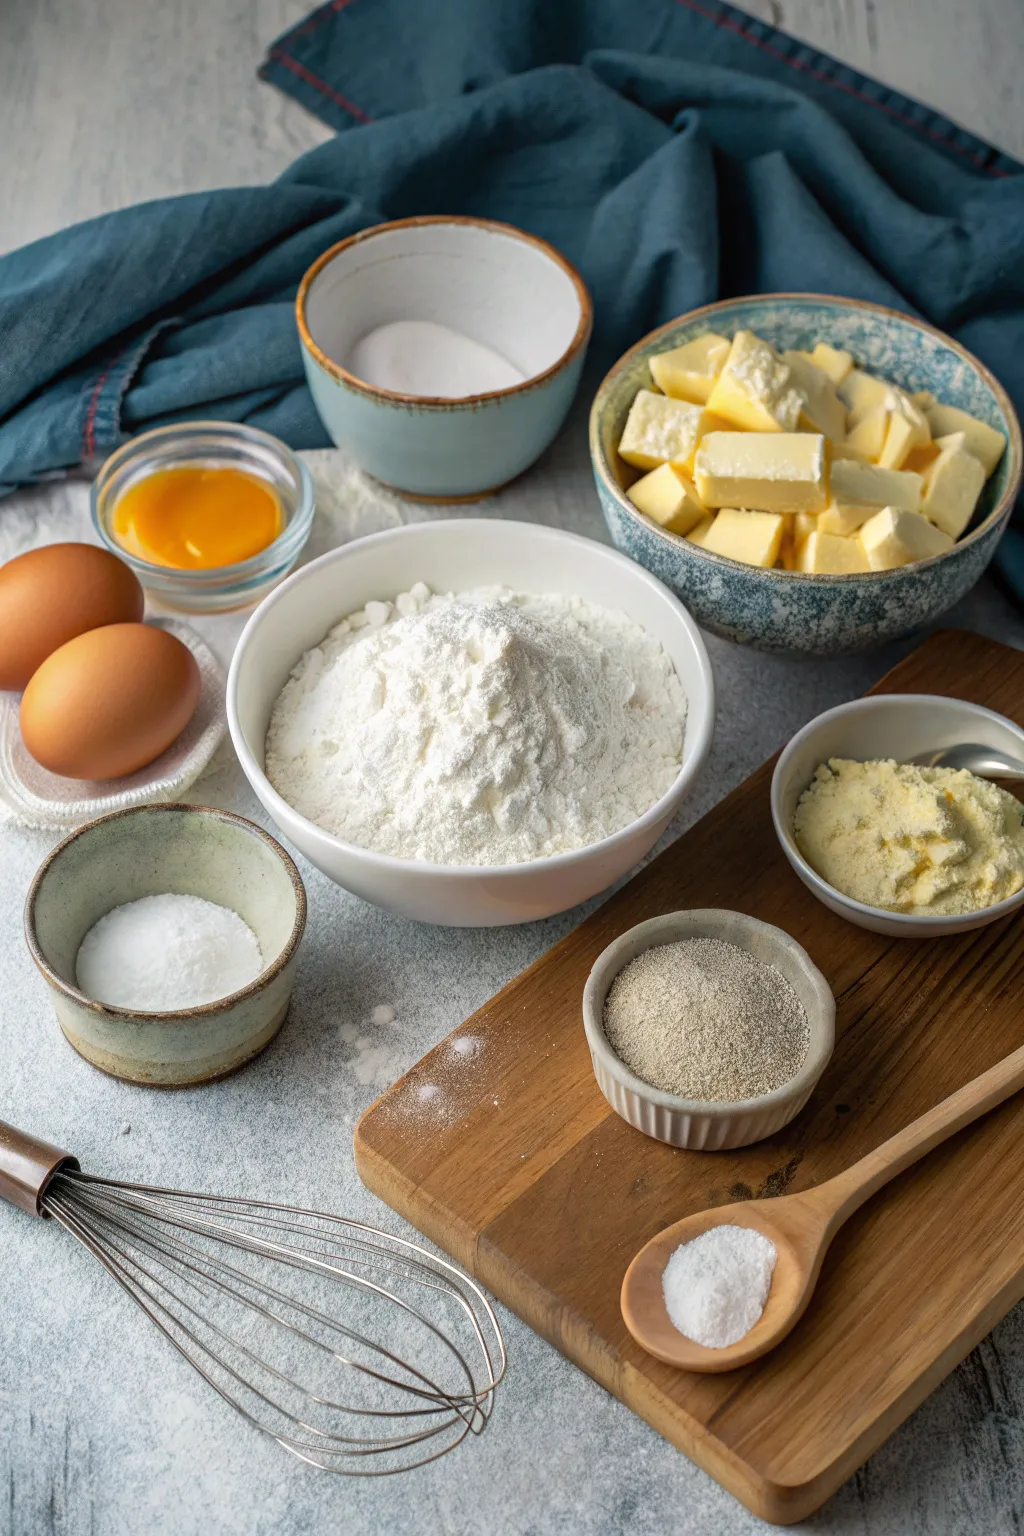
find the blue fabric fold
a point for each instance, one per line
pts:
(676, 150)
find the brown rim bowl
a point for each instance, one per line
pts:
(149, 850)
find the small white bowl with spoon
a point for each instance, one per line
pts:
(917, 728)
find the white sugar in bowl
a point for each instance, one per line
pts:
(503, 292)
(453, 557)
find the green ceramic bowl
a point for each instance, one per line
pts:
(146, 851)
(783, 610)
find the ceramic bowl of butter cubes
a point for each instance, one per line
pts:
(808, 473)
(443, 352)
(897, 727)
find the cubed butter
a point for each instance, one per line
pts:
(787, 549)
(769, 471)
(660, 430)
(952, 485)
(844, 451)
(924, 398)
(689, 372)
(829, 554)
(833, 361)
(865, 485)
(899, 440)
(843, 518)
(980, 439)
(753, 537)
(699, 535)
(823, 410)
(862, 392)
(804, 524)
(918, 459)
(868, 436)
(896, 537)
(667, 496)
(908, 429)
(755, 389)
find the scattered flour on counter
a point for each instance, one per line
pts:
(375, 1065)
(715, 1286)
(383, 1014)
(452, 1090)
(485, 728)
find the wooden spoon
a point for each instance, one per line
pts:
(801, 1226)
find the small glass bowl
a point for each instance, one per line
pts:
(212, 445)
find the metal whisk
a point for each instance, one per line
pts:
(357, 1351)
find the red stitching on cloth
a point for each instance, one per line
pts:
(279, 55)
(729, 25)
(318, 17)
(717, 18)
(89, 432)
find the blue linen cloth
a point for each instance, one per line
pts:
(676, 150)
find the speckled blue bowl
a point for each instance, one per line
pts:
(783, 610)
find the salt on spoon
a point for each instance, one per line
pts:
(419, 357)
(165, 953)
(716, 1285)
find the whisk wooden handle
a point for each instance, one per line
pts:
(26, 1167)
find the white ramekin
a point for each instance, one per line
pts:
(703, 1126)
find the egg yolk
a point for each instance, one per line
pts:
(195, 518)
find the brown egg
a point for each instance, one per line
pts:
(109, 701)
(50, 595)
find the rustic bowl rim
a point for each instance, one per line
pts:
(608, 483)
(173, 1016)
(706, 922)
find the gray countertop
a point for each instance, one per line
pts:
(103, 1429)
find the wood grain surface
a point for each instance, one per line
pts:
(499, 1146)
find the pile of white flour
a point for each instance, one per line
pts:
(486, 728)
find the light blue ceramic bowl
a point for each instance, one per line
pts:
(779, 610)
(495, 284)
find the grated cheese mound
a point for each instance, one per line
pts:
(925, 841)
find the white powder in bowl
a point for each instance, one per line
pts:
(715, 1287)
(486, 728)
(164, 953)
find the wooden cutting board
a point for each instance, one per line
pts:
(500, 1148)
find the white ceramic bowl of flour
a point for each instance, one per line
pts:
(458, 557)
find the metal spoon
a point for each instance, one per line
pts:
(986, 762)
(801, 1226)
